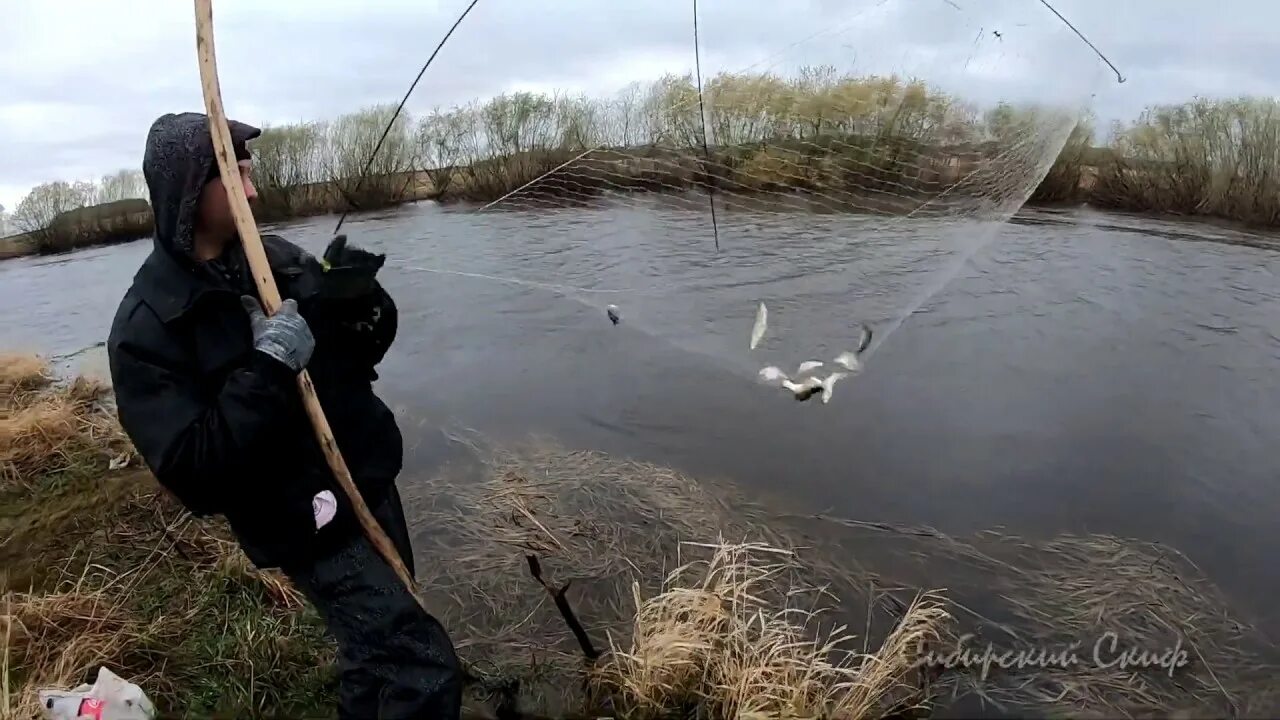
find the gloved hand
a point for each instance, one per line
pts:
(285, 336)
(349, 271)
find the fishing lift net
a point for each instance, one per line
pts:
(759, 217)
(773, 214)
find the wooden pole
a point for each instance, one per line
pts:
(262, 277)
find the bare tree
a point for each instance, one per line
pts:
(45, 202)
(441, 138)
(622, 122)
(287, 160)
(352, 140)
(122, 185)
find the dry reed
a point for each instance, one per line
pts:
(116, 573)
(616, 529)
(610, 527)
(59, 639)
(172, 604)
(1077, 592)
(22, 373)
(716, 639)
(49, 427)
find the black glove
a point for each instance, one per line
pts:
(349, 272)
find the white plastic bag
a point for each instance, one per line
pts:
(110, 698)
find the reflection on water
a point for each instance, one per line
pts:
(1084, 373)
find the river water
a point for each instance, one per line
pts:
(1082, 373)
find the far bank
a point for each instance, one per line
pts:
(1105, 183)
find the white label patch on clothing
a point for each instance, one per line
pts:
(324, 506)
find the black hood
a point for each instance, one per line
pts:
(178, 161)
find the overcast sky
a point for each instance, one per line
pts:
(81, 80)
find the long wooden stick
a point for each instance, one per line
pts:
(266, 283)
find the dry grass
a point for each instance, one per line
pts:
(729, 637)
(48, 427)
(170, 603)
(1072, 592)
(716, 640)
(22, 373)
(102, 568)
(58, 639)
(613, 529)
(755, 625)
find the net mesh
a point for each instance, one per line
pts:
(867, 132)
(803, 174)
(819, 142)
(845, 192)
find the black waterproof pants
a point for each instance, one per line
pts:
(396, 661)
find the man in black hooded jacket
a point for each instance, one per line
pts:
(206, 387)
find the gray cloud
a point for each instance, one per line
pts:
(80, 80)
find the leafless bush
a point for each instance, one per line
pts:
(122, 185)
(363, 178)
(1208, 157)
(45, 202)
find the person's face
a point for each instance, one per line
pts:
(215, 209)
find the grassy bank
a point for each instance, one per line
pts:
(102, 568)
(782, 619)
(1203, 158)
(16, 246)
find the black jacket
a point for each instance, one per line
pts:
(221, 425)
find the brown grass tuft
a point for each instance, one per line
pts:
(21, 373)
(102, 569)
(59, 639)
(48, 427)
(718, 640)
(35, 439)
(172, 604)
(762, 632)
(615, 529)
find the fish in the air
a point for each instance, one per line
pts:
(757, 330)
(865, 339)
(612, 312)
(806, 383)
(803, 390)
(808, 366)
(849, 360)
(829, 383)
(804, 386)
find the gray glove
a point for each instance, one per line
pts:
(284, 336)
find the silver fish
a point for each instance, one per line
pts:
(808, 366)
(828, 385)
(850, 360)
(804, 389)
(757, 330)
